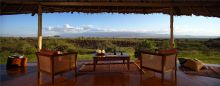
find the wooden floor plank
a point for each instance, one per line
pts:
(109, 75)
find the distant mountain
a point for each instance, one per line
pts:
(129, 35)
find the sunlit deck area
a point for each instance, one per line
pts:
(105, 75)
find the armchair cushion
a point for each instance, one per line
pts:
(16, 61)
(48, 52)
(169, 51)
(193, 64)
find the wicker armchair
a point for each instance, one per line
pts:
(161, 62)
(53, 64)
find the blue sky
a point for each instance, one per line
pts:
(67, 23)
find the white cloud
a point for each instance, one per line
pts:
(178, 30)
(87, 27)
(67, 28)
(49, 28)
(186, 30)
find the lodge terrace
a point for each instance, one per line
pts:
(114, 74)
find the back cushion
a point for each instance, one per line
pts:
(48, 52)
(193, 64)
(169, 51)
(16, 61)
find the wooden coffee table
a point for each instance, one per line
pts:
(111, 57)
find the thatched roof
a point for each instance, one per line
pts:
(209, 8)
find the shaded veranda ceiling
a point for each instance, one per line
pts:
(208, 8)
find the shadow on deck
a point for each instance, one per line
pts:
(105, 75)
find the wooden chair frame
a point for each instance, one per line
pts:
(52, 57)
(163, 62)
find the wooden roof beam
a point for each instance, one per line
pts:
(191, 10)
(176, 10)
(33, 13)
(3, 7)
(207, 11)
(20, 8)
(129, 4)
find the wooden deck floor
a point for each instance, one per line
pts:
(105, 75)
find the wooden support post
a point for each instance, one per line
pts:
(39, 27)
(171, 31)
(39, 38)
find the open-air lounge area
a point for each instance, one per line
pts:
(109, 61)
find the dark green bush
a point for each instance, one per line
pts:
(58, 44)
(164, 45)
(144, 45)
(4, 56)
(26, 48)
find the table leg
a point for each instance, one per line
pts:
(123, 61)
(94, 64)
(128, 63)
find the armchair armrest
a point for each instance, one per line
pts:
(65, 54)
(161, 53)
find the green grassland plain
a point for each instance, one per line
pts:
(206, 50)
